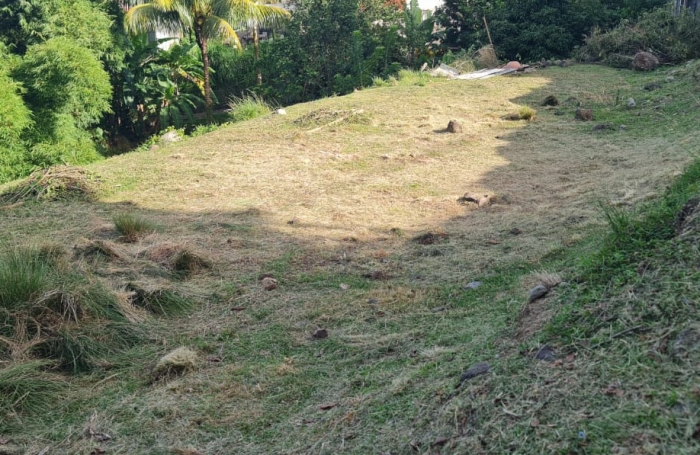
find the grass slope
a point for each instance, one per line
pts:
(350, 205)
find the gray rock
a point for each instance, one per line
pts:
(281, 112)
(546, 353)
(473, 285)
(537, 292)
(622, 127)
(670, 78)
(631, 103)
(454, 127)
(474, 371)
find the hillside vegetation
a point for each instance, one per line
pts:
(320, 282)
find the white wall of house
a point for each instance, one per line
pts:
(428, 4)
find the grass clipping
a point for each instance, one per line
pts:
(175, 363)
(54, 183)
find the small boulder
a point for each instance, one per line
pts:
(474, 371)
(631, 103)
(537, 292)
(269, 283)
(454, 127)
(546, 353)
(585, 115)
(645, 61)
(551, 100)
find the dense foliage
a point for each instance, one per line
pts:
(81, 78)
(531, 29)
(673, 38)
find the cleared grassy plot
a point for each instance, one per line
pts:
(353, 215)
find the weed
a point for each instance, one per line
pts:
(527, 113)
(248, 107)
(409, 77)
(132, 227)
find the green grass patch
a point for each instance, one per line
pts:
(133, 227)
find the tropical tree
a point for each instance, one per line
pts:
(207, 19)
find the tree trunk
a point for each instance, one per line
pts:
(256, 45)
(202, 43)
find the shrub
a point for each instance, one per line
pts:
(672, 38)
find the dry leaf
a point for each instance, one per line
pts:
(326, 407)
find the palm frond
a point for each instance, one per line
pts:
(150, 17)
(239, 12)
(217, 27)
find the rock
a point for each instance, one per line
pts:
(513, 116)
(670, 78)
(631, 103)
(622, 127)
(438, 309)
(584, 114)
(473, 285)
(686, 342)
(373, 301)
(645, 61)
(603, 126)
(557, 62)
(281, 112)
(474, 371)
(479, 200)
(551, 100)
(169, 137)
(320, 334)
(546, 353)
(454, 127)
(515, 231)
(653, 86)
(537, 292)
(269, 283)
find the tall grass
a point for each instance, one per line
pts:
(248, 107)
(132, 227)
(46, 309)
(25, 387)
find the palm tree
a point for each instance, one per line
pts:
(207, 19)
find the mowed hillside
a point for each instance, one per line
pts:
(332, 248)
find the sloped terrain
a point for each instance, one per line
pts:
(325, 285)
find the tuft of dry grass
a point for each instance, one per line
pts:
(54, 183)
(176, 362)
(486, 57)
